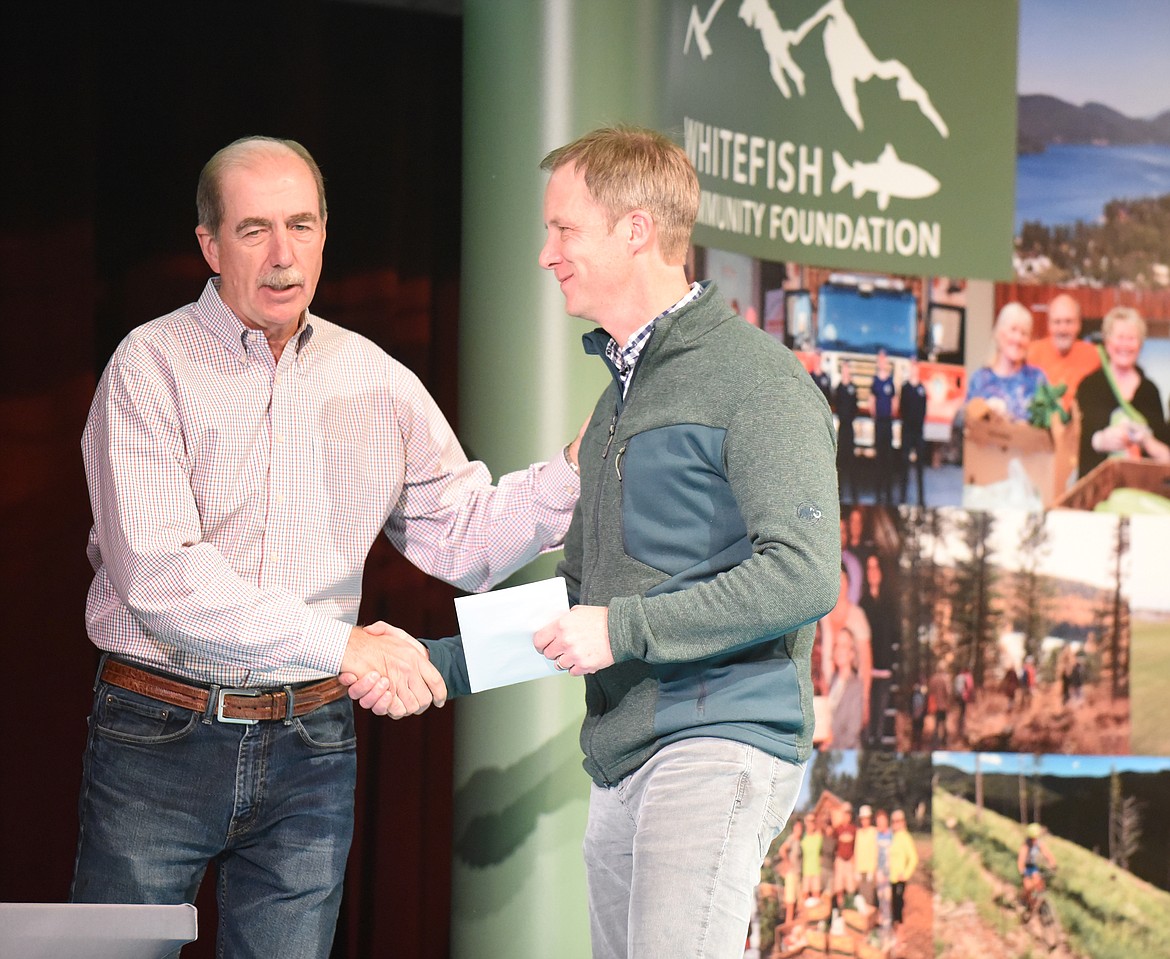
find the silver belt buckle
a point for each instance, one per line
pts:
(234, 692)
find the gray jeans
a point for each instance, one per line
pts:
(673, 851)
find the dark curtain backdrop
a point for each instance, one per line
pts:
(109, 111)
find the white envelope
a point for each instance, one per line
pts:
(498, 627)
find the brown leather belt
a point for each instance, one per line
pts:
(232, 705)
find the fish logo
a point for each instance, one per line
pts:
(889, 176)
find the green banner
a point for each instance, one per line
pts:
(866, 134)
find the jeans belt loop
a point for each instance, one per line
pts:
(101, 669)
(291, 702)
(234, 692)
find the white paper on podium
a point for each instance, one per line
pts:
(498, 627)
(38, 930)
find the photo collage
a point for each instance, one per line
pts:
(998, 662)
(992, 689)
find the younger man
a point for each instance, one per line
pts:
(702, 552)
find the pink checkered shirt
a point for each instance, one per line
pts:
(235, 498)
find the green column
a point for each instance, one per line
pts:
(536, 75)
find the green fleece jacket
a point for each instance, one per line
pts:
(708, 524)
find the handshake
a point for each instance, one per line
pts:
(390, 673)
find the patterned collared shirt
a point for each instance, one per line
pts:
(235, 497)
(625, 358)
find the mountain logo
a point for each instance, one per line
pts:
(851, 62)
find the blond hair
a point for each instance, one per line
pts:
(629, 168)
(1123, 314)
(1010, 311)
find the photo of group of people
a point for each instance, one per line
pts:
(1021, 630)
(1066, 379)
(849, 875)
(1076, 387)
(887, 353)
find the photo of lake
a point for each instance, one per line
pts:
(1094, 108)
(1067, 183)
(1093, 128)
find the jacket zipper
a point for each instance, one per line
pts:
(612, 431)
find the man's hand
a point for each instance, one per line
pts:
(573, 448)
(577, 642)
(396, 675)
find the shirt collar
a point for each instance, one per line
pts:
(625, 358)
(226, 326)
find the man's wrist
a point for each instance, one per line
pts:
(570, 461)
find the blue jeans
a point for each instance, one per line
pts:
(166, 791)
(673, 851)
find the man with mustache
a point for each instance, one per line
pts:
(242, 454)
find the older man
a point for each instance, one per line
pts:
(242, 454)
(1062, 354)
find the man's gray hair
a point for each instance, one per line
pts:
(209, 192)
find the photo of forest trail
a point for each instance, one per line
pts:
(1103, 910)
(1021, 646)
(1046, 721)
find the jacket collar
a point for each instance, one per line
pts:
(692, 321)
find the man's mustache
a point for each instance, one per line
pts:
(282, 279)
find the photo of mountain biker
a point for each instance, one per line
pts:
(1028, 864)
